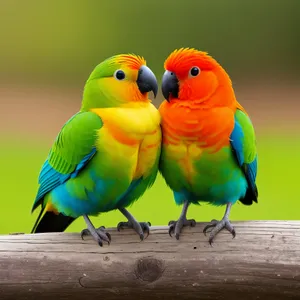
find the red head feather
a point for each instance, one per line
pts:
(181, 60)
(212, 79)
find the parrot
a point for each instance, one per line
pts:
(106, 155)
(209, 153)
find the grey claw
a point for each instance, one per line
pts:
(171, 227)
(140, 228)
(146, 229)
(84, 232)
(176, 226)
(218, 226)
(105, 236)
(193, 223)
(109, 236)
(171, 222)
(233, 233)
(208, 227)
(121, 225)
(101, 235)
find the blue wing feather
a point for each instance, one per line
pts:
(251, 172)
(249, 169)
(49, 178)
(236, 142)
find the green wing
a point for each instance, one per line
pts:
(243, 145)
(71, 151)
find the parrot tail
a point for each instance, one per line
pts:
(51, 222)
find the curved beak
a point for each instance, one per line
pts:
(146, 81)
(170, 85)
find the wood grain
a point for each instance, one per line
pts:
(262, 262)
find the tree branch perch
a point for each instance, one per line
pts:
(262, 262)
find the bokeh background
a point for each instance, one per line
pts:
(49, 48)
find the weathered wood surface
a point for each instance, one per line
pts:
(262, 262)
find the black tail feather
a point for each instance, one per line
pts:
(51, 222)
(250, 196)
(37, 220)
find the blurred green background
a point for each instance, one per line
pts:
(49, 48)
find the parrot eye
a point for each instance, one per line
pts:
(194, 71)
(119, 75)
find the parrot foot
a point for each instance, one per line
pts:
(141, 228)
(218, 226)
(99, 234)
(176, 226)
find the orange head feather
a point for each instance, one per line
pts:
(181, 60)
(194, 76)
(132, 61)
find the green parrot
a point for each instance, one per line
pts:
(105, 156)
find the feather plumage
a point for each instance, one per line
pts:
(209, 149)
(106, 155)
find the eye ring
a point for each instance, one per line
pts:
(119, 75)
(194, 71)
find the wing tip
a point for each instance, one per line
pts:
(250, 196)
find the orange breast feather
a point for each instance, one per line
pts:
(208, 128)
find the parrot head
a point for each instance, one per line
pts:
(119, 80)
(193, 75)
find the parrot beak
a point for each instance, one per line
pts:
(146, 81)
(170, 85)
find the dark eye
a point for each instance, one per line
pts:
(194, 71)
(119, 74)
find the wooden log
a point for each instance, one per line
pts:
(262, 262)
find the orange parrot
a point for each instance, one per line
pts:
(209, 148)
